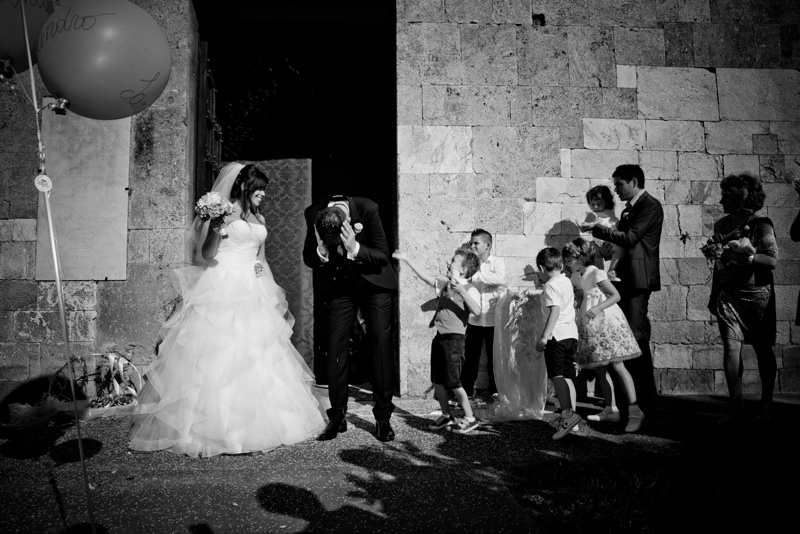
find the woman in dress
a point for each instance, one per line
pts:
(742, 289)
(227, 379)
(605, 338)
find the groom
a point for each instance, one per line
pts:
(346, 244)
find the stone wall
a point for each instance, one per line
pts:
(510, 110)
(124, 313)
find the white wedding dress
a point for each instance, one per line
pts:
(228, 379)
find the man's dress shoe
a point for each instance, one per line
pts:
(333, 428)
(384, 431)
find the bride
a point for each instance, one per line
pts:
(227, 379)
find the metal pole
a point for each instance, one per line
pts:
(44, 184)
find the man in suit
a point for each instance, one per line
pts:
(346, 244)
(639, 233)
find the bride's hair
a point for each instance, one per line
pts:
(253, 179)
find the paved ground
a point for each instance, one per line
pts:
(502, 478)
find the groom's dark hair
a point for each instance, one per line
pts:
(329, 225)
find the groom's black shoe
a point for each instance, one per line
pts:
(383, 430)
(332, 429)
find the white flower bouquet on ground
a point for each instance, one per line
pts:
(214, 207)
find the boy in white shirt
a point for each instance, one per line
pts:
(559, 338)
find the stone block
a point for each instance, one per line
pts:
(685, 136)
(711, 213)
(500, 215)
(786, 274)
(78, 296)
(677, 192)
(619, 103)
(37, 326)
(514, 186)
(658, 165)
(788, 249)
(409, 104)
(16, 295)
(767, 44)
(449, 105)
(562, 190)
(17, 260)
(791, 164)
(455, 214)
(15, 360)
(19, 196)
(693, 271)
(566, 163)
(790, 46)
(723, 45)
(678, 49)
(626, 76)
(533, 151)
(707, 357)
(738, 164)
(6, 326)
(694, 11)
(697, 302)
(420, 11)
(667, 10)
(600, 163)
(667, 356)
(669, 270)
(571, 134)
(511, 11)
(622, 13)
(673, 93)
(541, 218)
(758, 94)
(765, 144)
(786, 302)
(521, 107)
(82, 325)
(789, 381)
(733, 137)
(780, 194)
(671, 226)
(690, 220)
(167, 246)
(562, 12)
(711, 333)
(489, 54)
(675, 332)
(788, 134)
(686, 381)
(613, 134)
(591, 57)
(519, 246)
(24, 230)
(705, 193)
(434, 149)
(7, 229)
(429, 54)
(669, 304)
(416, 214)
(639, 46)
(791, 357)
(694, 166)
(459, 185)
(671, 247)
(51, 356)
(783, 332)
(772, 168)
(542, 56)
(138, 246)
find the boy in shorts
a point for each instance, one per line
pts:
(457, 300)
(559, 338)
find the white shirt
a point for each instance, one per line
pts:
(489, 281)
(558, 292)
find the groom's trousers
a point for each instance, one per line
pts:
(343, 302)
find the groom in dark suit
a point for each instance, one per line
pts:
(639, 233)
(346, 244)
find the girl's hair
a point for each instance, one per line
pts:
(603, 193)
(581, 249)
(549, 258)
(253, 180)
(749, 189)
(471, 262)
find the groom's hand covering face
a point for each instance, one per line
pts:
(329, 225)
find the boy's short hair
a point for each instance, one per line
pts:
(602, 192)
(481, 232)
(582, 249)
(550, 259)
(329, 225)
(471, 262)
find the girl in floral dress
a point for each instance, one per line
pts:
(604, 337)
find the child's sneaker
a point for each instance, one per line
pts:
(442, 422)
(463, 426)
(568, 420)
(606, 416)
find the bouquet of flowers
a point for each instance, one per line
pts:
(214, 207)
(714, 247)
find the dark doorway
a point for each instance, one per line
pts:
(309, 79)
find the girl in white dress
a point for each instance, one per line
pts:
(601, 202)
(604, 337)
(227, 379)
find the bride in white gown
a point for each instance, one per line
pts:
(227, 379)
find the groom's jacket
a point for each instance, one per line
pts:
(373, 259)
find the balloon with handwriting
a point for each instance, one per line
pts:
(108, 58)
(12, 33)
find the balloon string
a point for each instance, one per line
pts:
(42, 167)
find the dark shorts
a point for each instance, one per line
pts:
(559, 357)
(447, 358)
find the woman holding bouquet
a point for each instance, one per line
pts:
(227, 379)
(742, 290)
